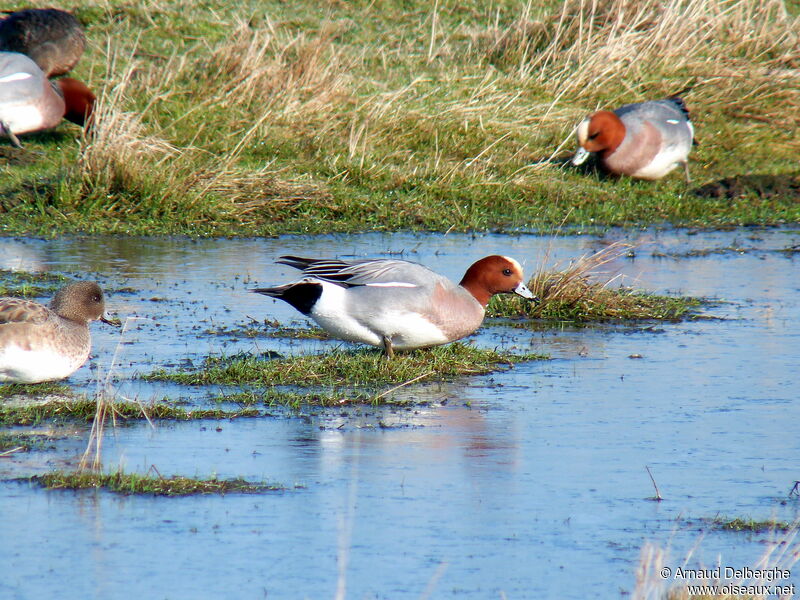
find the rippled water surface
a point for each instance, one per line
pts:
(529, 483)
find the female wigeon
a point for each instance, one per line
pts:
(53, 38)
(30, 102)
(396, 304)
(646, 140)
(41, 343)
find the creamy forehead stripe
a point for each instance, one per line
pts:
(583, 130)
(15, 77)
(392, 284)
(514, 262)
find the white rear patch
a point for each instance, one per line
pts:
(33, 366)
(15, 77)
(22, 119)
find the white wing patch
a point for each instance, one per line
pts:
(673, 121)
(387, 284)
(15, 77)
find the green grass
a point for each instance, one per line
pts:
(132, 483)
(85, 410)
(272, 117)
(365, 366)
(48, 388)
(272, 397)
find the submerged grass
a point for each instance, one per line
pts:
(270, 329)
(133, 483)
(345, 367)
(85, 410)
(273, 117)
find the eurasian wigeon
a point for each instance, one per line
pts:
(396, 304)
(646, 140)
(43, 343)
(53, 38)
(30, 102)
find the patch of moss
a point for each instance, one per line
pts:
(132, 483)
(749, 525)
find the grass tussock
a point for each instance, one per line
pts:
(133, 483)
(234, 120)
(346, 367)
(581, 293)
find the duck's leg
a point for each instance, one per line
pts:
(686, 172)
(7, 131)
(388, 350)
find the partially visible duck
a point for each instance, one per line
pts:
(53, 38)
(646, 140)
(30, 102)
(396, 304)
(43, 343)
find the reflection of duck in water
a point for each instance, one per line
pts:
(52, 38)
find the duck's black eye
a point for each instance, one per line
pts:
(594, 135)
(95, 298)
(507, 272)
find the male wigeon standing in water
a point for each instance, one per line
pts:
(645, 140)
(396, 304)
(29, 102)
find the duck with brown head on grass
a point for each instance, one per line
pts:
(645, 140)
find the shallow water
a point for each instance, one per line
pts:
(527, 483)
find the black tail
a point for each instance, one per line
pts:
(303, 295)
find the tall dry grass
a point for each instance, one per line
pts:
(128, 164)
